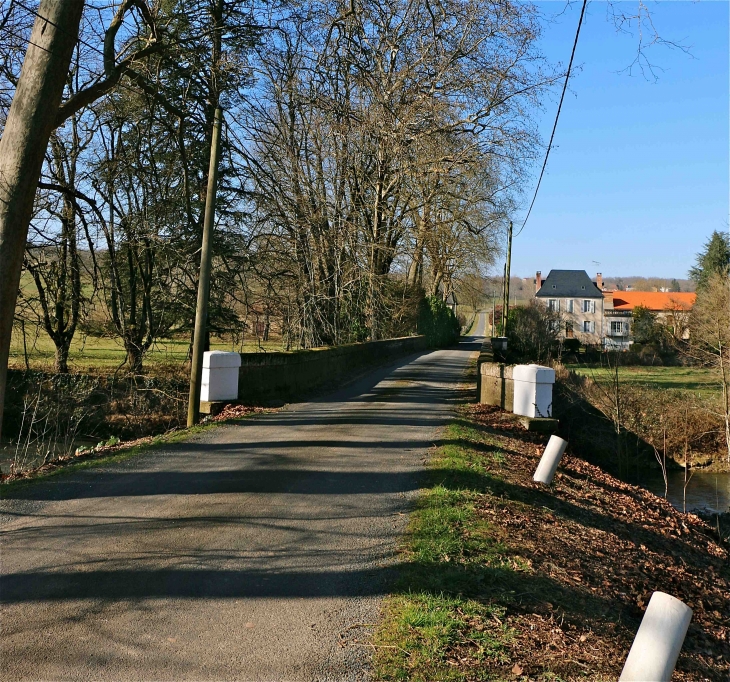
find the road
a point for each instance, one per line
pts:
(254, 551)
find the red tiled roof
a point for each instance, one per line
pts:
(653, 300)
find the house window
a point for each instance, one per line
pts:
(589, 326)
(589, 306)
(554, 305)
(617, 328)
(570, 305)
(569, 330)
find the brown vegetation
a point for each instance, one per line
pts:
(603, 546)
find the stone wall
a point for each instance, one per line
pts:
(496, 385)
(494, 380)
(291, 376)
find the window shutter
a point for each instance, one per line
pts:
(557, 306)
(593, 306)
(593, 324)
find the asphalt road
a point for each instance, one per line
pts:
(255, 551)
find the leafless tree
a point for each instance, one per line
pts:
(710, 338)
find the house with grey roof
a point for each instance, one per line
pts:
(579, 301)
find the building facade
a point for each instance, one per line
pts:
(598, 317)
(578, 300)
(670, 308)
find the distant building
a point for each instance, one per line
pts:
(578, 300)
(670, 307)
(595, 316)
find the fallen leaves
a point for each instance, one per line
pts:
(598, 548)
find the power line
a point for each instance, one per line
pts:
(557, 116)
(60, 28)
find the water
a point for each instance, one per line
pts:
(705, 491)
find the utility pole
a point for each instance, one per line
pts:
(31, 119)
(507, 265)
(201, 309)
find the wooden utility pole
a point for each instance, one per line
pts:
(31, 119)
(507, 266)
(201, 309)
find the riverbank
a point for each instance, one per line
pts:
(504, 579)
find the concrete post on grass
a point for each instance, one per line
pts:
(220, 376)
(659, 640)
(550, 460)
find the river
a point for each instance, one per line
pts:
(705, 491)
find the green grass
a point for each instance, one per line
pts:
(694, 379)
(434, 627)
(90, 352)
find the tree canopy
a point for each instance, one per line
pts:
(714, 259)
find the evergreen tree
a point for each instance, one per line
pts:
(674, 286)
(645, 328)
(714, 259)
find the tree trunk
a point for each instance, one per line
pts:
(134, 358)
(29, 124)
(62, 356)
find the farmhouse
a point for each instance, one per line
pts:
(671, 309)
(578, 300)
(596, 316)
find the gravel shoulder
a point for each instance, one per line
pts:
(258, 550)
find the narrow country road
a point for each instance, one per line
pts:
(255, 551)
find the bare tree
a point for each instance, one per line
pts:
(710, 337)
(30, 121)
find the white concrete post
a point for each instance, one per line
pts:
(656, 646)
(220, 376)
(533, 386)
(550, 459)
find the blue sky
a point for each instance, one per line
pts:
(638, 175)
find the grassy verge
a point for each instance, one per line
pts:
(104, 354)
(435, 629)
(695, 379)
(501, 579)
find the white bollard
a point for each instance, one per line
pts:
(656, 646)
(219, 381)
(533, 387)
(550, 459)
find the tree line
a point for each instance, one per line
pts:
(371, 156)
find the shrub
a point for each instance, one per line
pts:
(532, 333)
(571, 345)
(437, 322)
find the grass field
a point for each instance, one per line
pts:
(90, 353)
(695, 379)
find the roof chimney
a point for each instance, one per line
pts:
(599, 281)
(538, 281)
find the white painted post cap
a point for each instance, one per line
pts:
(218, 358)
(659, 640)
(535, 374)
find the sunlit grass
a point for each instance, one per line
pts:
(696, 379)
(89, 353)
